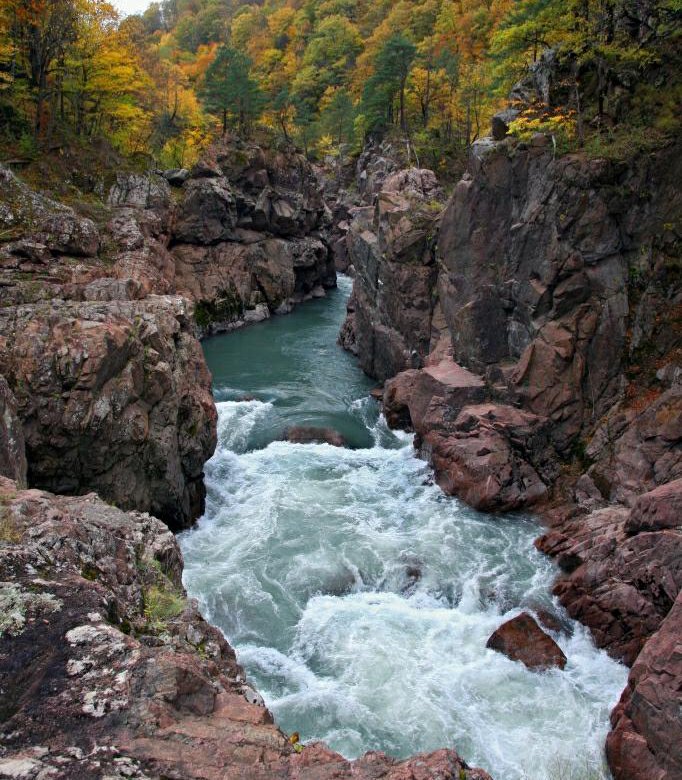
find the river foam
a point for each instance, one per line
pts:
(359, 598)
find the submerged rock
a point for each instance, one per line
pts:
(522, 639)
(301, 434)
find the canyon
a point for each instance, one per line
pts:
(526, 329)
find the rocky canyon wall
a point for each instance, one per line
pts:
(100, 315)
(533, 342)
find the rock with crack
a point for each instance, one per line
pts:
(646, 741)
(621, 574)
(114, 397)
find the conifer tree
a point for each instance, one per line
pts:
(391, 69)
(230, 91)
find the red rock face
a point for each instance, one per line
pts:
(114, 397)
(574, 364)
(619, 581)
(481, 452)
(522, 639)
(646, 741)
(391, 246)
(98, 328)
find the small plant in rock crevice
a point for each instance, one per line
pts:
(160, 607)
(162, 600)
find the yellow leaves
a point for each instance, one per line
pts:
(560, 122)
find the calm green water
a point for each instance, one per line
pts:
(359, 598)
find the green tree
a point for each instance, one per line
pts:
(337, 118)
(229, 90)
(391, 70)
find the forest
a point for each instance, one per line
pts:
(328, 75)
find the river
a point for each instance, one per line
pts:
(358, 597)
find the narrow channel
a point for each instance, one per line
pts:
(359, 598)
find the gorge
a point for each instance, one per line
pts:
(358, 598)
(357, 546)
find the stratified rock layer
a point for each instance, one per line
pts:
(107, 670)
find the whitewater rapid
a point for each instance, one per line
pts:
(358, 597)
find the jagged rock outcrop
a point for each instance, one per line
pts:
(494, 456)
(247, 239)
(98, 323)
(108, 671)
(110, 382)
(622, 568)
(41, 227)
(114, 397)
(646, 741)
(391, 246)
(554, 331)
(536, 282)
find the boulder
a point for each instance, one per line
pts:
(491, 456)
(207, 213)
(176, 177)
(657, 510)
(501, 121)
(522, 639)
(140, 191)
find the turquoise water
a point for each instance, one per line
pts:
(358, 597)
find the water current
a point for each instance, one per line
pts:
(358, 597)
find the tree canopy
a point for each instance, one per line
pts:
(325, 73)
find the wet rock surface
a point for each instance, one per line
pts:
(301, 434)
(522, 639)
(108, 671)
(646, 740)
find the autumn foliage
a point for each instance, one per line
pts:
(326, 74)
